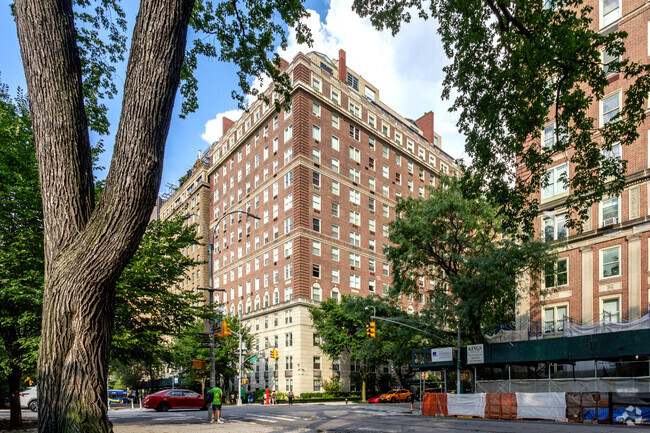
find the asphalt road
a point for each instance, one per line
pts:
(386, 418)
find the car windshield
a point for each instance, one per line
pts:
(160, 392)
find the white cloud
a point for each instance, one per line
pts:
(214, 128)
(407, 68)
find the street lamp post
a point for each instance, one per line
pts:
(240, 334)
(211, 289)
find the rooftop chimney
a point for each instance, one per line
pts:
(226, 124)
(343, 70)
(425, 123)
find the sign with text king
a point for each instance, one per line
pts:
(442, 354)
(475, 354)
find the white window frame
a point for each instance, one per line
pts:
(601, 268)
(601, 104)
(604, 299)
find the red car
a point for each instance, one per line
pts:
(373, 400)
(167, 399)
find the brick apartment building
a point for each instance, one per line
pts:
(602, 273)
(192, 197)
(324, 177)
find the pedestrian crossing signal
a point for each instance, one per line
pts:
(371, 330)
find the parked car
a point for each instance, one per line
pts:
(29, 399)
(167, 399)
(396, 395)
(374, 400)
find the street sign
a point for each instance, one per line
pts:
(207, 344)
(203, 335)
(475, 354)
(442, 354)
(254, 358)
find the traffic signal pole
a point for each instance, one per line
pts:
(211, 290)
(374, 317)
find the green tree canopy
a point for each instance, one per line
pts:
(150, 304)
(341, 327)
(21, 247)
(459, 244)
(516, 65)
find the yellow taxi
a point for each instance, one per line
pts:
(396, 395)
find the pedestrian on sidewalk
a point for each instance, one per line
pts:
(273, 399)
(290, 397)
(217, 395)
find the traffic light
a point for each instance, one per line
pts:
(371, 330)
(244, 381)
(226, 330)
(274, 354)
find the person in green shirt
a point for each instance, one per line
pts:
(216, 403)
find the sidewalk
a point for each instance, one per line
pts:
(234, 427)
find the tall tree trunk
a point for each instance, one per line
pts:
(86, 249)
(15, 414)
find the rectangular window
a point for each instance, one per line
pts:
(335, 231)
(335, 209)
(315, 201)
(315, 132)
(355, 260)
(315, 155)
(354, 132)
(355, 109)
(315, 271)
(355, 197)
(555, 228)
(335, 121)
(610, 11)
(355, 154)
(610, 262)
(549, 136)
(555, 317)
(355, 217)
(355, 175)
(315, 179)
(335, 276)
(608, 63)
(315, 108)
(610, 108)
(611, 309)
(316, 362)
(353, 81)
(315, 248)
(557, 178)
(610, 211)
(335, 165)
(557, 274)
(315, 224)
(336, 96)
(335, 187)
(335, 254)
(355, 281)
(315, 83)
(335, 143)
(355, 239)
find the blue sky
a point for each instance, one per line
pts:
(407, 69)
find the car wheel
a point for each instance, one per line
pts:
(163, 406)
(33, 406)
(392, 400)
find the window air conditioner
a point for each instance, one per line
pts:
(610, 221)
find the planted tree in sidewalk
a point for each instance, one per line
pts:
(341, 327)
(69, 69)
(517, 66)
(460, 246)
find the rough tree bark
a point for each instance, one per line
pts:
(87, 248)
